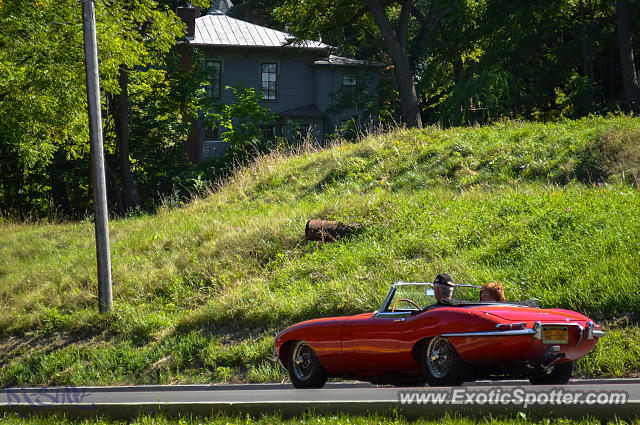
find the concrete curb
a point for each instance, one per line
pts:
(193, 387)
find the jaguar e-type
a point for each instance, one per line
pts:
(413, 340)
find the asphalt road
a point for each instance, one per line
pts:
(599, 398)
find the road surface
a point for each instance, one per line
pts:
(599, 398)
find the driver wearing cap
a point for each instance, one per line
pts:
(442, 287)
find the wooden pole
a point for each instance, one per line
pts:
(105, 301)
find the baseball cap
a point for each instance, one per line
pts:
(443, 279)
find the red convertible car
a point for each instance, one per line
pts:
(412, 340)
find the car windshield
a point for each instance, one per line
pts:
(417, 296)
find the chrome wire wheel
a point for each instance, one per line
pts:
(439, 357)
(303, 361)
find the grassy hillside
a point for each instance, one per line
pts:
(552, 211)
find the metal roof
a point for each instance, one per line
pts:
(217, 29)
(340, 61)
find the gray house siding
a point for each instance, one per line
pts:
(329, 82)
(295, 86)
(323, 80)
(299, 83)
(295, 82)
(308, 77)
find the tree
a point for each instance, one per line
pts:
(534, 60)
(397, 21)
(42, 99)
(240, 121)
(629, 75)
(259, 12)
(44, 127)
(119, 109)
(150, 30)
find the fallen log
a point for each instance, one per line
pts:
(329, 231)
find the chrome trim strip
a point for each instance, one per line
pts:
(590, 329)
(394, 313)
(536, 331)
(387, 301)
(455, 285)
(561, 324)
(581, 331)
(537, 328)
(493, 333)
(401, 283)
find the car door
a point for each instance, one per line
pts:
(370, 345)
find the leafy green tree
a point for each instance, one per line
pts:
(241, 121)
(259, 12)
(42, 98)
(538, 60)
(43, 130)
(398, 23)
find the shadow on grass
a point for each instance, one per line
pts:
(243, 321)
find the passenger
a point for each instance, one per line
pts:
(492, 291)
(442, 287)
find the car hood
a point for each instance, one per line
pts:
(526, 314)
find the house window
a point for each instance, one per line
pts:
(212, 132)
(268, 131)
(213, 69)
(269, 80)
(349, 79)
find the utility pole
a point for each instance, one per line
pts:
(105, 301)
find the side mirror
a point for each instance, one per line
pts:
(430, 293)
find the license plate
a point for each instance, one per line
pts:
(556, 335)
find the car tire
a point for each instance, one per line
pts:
(304, 368)
(441, 365)
(560, 375)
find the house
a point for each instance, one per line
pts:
(304, 84)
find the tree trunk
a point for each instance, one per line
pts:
(629, 76)
(130, 197)
(58, 185)
(114, 187)
(402, 67)
(586, 43)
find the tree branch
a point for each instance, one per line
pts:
(359, 14)
(403, 23)
(429, 23)
(435, 20)
(418, 15)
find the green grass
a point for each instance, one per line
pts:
(552, 211)
(307, 419)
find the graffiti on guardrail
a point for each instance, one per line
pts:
(34, 399)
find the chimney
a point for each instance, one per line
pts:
(189, 15)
